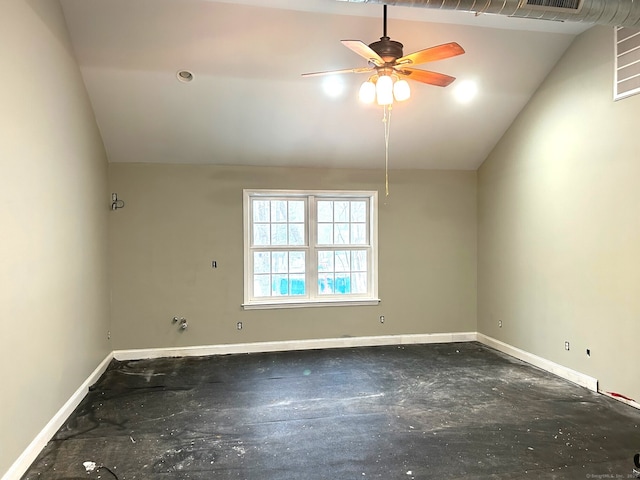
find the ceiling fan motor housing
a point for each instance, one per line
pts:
(388, 49)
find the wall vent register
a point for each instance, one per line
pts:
(627, 62)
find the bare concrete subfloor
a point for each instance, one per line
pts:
(444, 411)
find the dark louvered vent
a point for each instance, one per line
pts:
(561, 5)
(627, 62)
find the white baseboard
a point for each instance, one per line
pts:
(24, 461)
(257, 347)
(559, 370)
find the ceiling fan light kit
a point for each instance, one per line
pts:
(389, 69)
(385, 89)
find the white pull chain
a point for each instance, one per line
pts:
(386, 120)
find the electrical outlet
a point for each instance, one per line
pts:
(566, 346)
(499, 323)
(239, 325)
(381, 318)
(109, 335)
(588, 352)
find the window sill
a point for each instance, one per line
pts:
(312, 303)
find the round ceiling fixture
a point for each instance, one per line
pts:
(185, 76)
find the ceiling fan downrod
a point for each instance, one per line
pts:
(388, 49)
(384, 21)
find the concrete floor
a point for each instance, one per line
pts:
(444, 411)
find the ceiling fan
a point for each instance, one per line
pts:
(389, 67)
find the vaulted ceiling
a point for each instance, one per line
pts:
(248, 104)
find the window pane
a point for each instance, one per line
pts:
(325, 211)
(297, 285)
(341, 234)
(261, 262)
(261, 234)
(296, 234)
(325, 284)
(279, 234)
(325, 261)
(261, 286)
(280, 262)
(296, 262)
(261, 210)
(359, 211)
(296, 211)
(325, 234)
(280, 285)
(278, 211)
(359, 283)
(343, 283)
(358, 234)
(342, 262)
(341, 211)
(359, 261)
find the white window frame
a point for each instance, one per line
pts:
(312, 297)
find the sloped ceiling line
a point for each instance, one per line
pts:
(249, 105)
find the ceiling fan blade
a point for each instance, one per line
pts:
(337, 72)
(364, 50)
(432, 54)
(424, 76)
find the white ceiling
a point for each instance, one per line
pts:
(248, 104)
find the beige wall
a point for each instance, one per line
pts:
(558, 237)
(559, 229)
(53, 215)
(179, 218)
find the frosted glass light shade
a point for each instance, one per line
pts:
(401, 90)
(367, 93)
(384, 90)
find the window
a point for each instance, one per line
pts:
(309, 248)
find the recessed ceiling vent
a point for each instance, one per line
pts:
(567, 6)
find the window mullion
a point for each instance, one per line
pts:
(312, 261)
